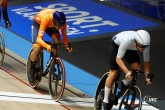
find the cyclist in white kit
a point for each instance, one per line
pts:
(125, 45)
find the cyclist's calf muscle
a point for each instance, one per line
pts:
(110, 79)
(34, 54)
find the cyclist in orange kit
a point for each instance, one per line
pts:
(47, 21)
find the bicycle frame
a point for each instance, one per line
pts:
(131, 89)
(53, 55)
(133, 83)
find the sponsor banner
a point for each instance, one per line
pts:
(84, 19)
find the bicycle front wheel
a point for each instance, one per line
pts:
(57, 79)
(132, 99)
(2, 49)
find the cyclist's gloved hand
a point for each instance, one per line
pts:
(48, 48)
(128, 75)
(149, 78)
(68, 47)
(8, 24)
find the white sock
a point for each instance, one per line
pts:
(126, 81)
(106, 94)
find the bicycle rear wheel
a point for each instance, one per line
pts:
(57, 77)
(132, 99)
(99, 95)
(2, 49)
(38, 76)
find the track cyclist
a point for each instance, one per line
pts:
(47, 21)
(125, 45)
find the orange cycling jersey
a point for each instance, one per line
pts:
(45, 19)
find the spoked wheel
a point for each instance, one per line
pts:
(38, 70)
(99, 95)
(2, 49)
(57, 79)
(132, 99)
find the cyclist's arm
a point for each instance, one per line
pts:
(146, 56)
(148, 79)
(40, 36)
(121, 52)
(121, 64)
(64, 34)
(146, 67)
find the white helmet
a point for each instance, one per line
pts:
(143, 38)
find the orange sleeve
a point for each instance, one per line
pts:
(41, 35)
(64, 34)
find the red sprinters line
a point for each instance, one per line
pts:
(28, 85)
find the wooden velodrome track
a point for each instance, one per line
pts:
(15, 93)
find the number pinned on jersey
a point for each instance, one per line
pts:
(41, 32)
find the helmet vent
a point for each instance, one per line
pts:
(140, 38)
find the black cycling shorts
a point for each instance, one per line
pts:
(131, 56)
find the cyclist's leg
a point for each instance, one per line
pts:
(36, 49)
(132, 57)
(33, 59)
(56, 37)
(113, 73)
(55, 34)
(109, 83)
(136, 66)
(34, 54)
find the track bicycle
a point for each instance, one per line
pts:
(54, 67)
(131, 97)
(2, 49)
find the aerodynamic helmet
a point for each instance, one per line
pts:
(142, 39)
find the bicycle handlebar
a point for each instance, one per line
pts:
(53, 47)
(150, 76)
(53, 43)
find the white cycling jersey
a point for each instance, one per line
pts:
(125, 41)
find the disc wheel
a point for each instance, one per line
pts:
(2, 49)
(38, 74)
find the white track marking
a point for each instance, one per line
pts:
(46, 99)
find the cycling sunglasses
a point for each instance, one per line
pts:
(140, 45)
(59, 24)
